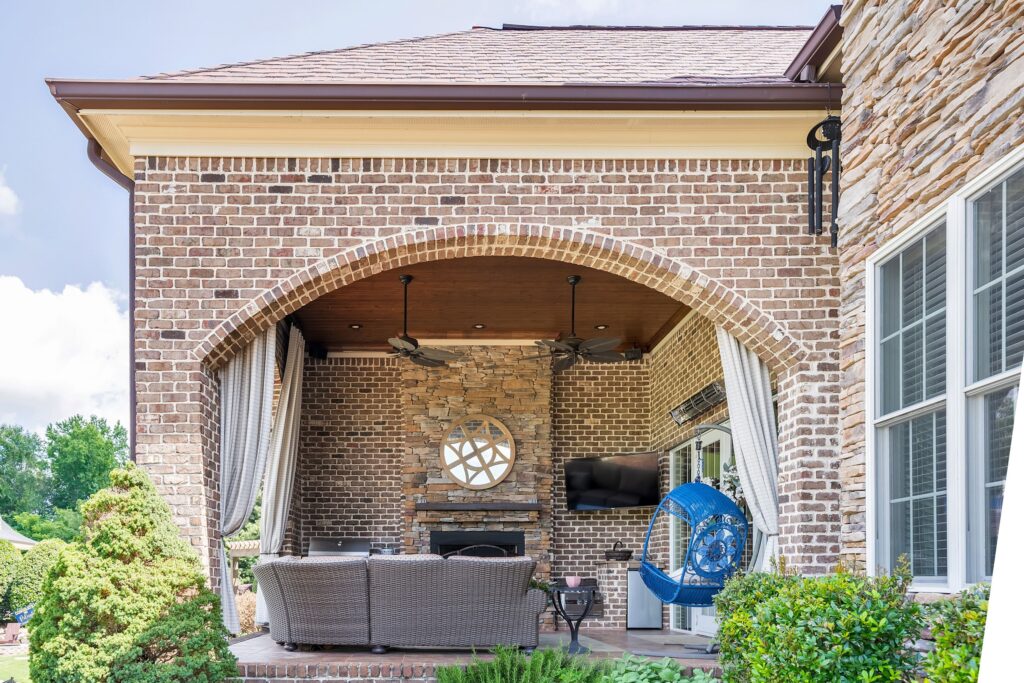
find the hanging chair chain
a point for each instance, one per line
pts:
(700, 460)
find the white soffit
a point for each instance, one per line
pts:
(126, 134)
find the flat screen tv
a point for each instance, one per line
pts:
(614, 481)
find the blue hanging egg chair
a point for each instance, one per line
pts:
(718, 533)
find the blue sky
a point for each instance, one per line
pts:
(63, 224)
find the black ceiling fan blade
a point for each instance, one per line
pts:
(564, 363)
(553, 344)
(402, 344)
(600, 344)
(427, 362)
(604, 356)
(436, 354)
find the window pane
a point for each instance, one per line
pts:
(998, 430)
(899, 461)
(1014, 326)
(988, 236)
(913, 365)
(935, 356)
(922, 455)
(988, 332)
(917, 496)
(913, 283)
(935, 271)
(890, 375)
(912, 318)
(891, 297)
(1015, 221)
(922, 529)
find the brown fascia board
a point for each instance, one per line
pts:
(156, 94)
(823, 39)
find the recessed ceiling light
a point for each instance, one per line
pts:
(479, 326)
(600, 327)
(355, 326)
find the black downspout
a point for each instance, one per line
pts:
(95, 153)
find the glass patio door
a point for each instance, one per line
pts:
(682, 468)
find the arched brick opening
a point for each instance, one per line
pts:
(762, 333)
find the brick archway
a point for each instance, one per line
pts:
(672, 277)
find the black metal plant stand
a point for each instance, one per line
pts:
(586, 595)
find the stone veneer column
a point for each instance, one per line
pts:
(932, 97)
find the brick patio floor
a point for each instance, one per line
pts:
(260, 660)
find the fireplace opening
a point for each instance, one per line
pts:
(478, 543)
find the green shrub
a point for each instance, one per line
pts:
(27, 586)
(737, 605)
(128, 600)
(841, 627)
(512, 666)
(9, 559)
(632, 669)
(958, 626)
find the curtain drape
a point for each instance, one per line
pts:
(755, 442)
(246, 398)
(284, 441)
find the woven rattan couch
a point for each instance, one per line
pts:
(402, 601)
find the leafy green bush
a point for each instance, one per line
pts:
(9, 559)
(737, 605)
(128, 600)
(27, 586)
(958, 626)
(557, 666)
(841, 627)
(632, 669)
(510, 665)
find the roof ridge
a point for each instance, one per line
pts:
(299, 55)
(630, 27)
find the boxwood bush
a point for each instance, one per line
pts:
(9, 559)
(840, 627)
(127, 601)
(27, 585)
(958, 626)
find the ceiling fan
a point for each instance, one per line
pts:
(407, 347)
(566, 351)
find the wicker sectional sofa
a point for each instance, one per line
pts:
(402, 601)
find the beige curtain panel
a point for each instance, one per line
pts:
(755, 442)
(246, 398)
(284, 446)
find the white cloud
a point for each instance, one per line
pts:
(62, 353)
(9, 202)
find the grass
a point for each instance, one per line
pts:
(14, 666)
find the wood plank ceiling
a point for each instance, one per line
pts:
(512, 297)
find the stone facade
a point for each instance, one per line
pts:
(225, 247)
(491, 380)
(932, 97)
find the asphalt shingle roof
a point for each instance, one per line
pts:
(548, 56)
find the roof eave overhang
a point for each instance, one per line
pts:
(820, 44)
(75, 95)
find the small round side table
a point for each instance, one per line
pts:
(586, 595)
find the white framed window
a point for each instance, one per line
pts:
(944, 344)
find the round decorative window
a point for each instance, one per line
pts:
(477, 452)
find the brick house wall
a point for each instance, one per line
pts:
(932, 98)
(351, 451)
(598, 409)
(227, 246)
